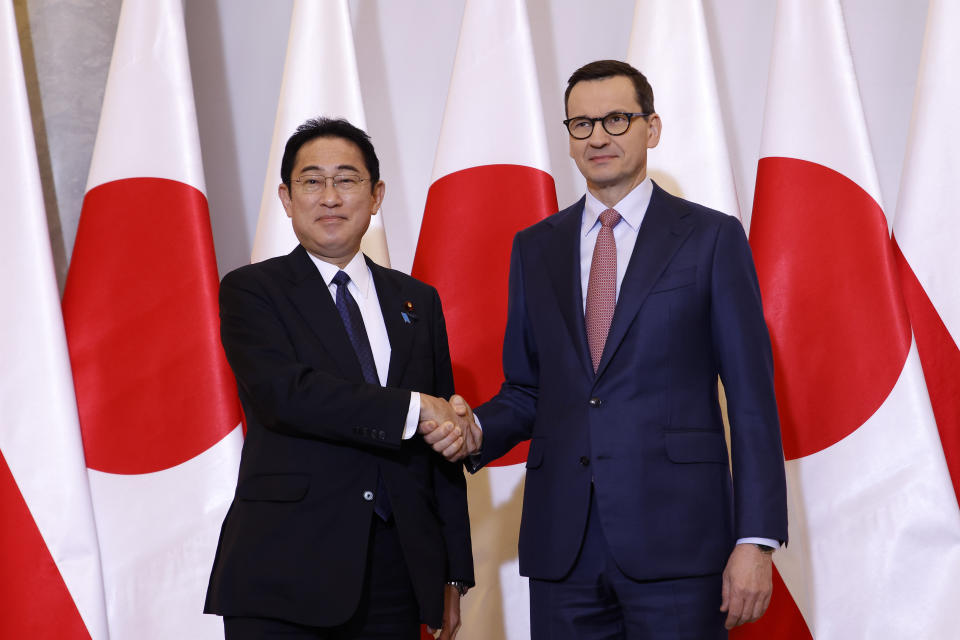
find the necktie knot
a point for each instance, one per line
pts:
(341, 279)
(609, 218)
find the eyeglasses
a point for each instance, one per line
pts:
(616, 124)
(314, 182)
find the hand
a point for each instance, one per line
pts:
(438, 425)
(449, 427)
(474, 434)
(451, 614)
(747, 584)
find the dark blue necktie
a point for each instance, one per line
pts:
(353, 323)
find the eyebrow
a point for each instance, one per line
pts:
(341, 167)
(606, 114)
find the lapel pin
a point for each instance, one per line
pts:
(408, 315)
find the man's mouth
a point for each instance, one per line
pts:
(603, 158)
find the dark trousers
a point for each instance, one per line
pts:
(597, 601)
(387, 610)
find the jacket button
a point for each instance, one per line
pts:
(584, 461)
(368, 496)
(595, 402)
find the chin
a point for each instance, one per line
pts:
(602, 172)
(604, 180)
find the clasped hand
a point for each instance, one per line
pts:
(449, 427)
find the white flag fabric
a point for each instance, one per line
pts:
(874, 525)
(157, 403)
(670, 46)
(319, 79)
(51, 585)
(487, 185)
(927, 225)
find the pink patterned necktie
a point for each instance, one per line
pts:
(602, 287)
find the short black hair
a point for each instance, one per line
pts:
(600, 69)
(329, 128)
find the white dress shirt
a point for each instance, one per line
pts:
(365, 293)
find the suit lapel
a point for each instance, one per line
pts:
(312, 299)
(661, 233)
(562, 259)
(399, 330)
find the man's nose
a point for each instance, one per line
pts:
(329, 194)
(599, 136)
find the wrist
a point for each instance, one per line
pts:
(459, 585)
(428, 407)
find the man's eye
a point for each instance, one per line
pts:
(616, 118)
(581, 124)
(310, 181)
(348, 181)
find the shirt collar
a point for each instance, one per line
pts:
(357, 269)
(631, 208)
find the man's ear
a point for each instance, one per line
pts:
(379, 190)
(285, 200)
(654, 127)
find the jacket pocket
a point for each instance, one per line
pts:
(277, 487)
(676, 279)
(535, 455)
(691, 445)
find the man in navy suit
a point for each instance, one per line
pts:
(624, 308)
(345, 524)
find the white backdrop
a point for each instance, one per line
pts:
(405, 54)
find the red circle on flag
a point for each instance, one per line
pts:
(831, 298)
(140, 308)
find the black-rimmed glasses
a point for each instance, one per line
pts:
(616, 124)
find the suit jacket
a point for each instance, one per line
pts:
(646, 431)
(294, 542)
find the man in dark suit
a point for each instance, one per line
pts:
(624, 308)
(345, 524)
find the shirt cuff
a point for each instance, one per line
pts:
(413, 417)
(766, 541)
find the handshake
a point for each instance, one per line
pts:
(449, 427)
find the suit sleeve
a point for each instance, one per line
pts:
(745, 359)
(448, 480)
(286, 394)
(508, 417)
